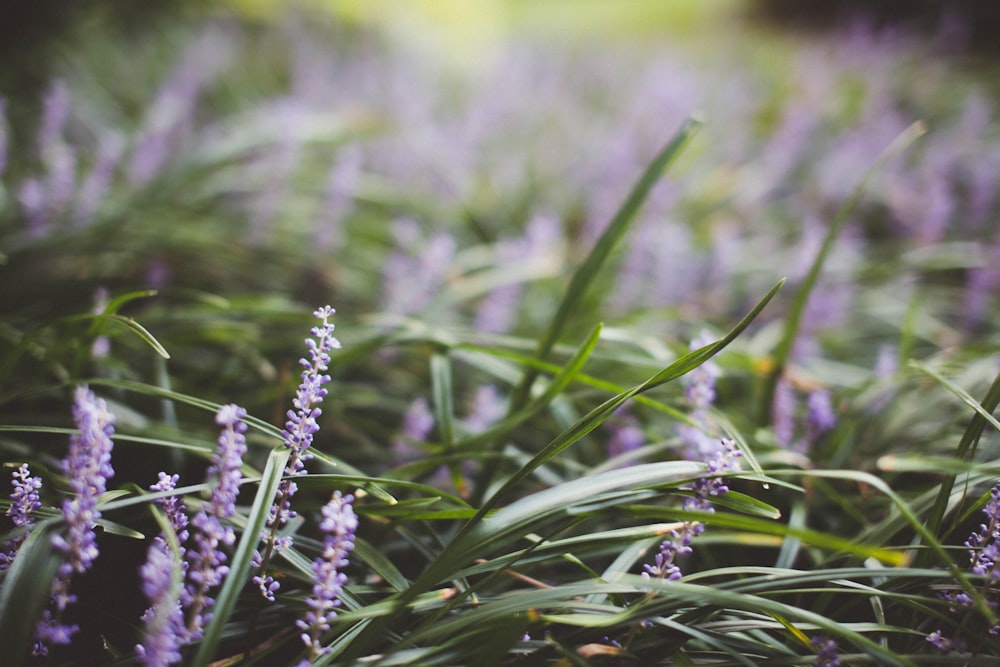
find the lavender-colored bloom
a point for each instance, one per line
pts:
(31, 196)
(298, 436)
(726, 459)
(161, 582)
(162, 578)
(487, 409)
(3, 135)
(95, 186)
(678, 545)
(820, 416)
(626, 433)
(340, 524)
(55, 112)
(664, 565)
(783, 412)
(23, 502)
(984, 560)
(699, 390)
(87, 467)
(338, 202)
(206, 559)
(826, 654)
(416, 270)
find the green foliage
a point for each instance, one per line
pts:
(514, 471)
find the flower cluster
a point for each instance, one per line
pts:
(699, 391)
(984, 560)
(819, 418)
(705, 488)
(340, 524)
(24, 501)
(826, 652)
(298, 434)
(726, 459)
(206, 559)
(179, 581)
(87, 467)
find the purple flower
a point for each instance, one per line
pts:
(340, 524)
(679, 543)
(783, 412)
(984, 560)
(55, 111)
(162, 578)
(699, 390)
(298, 436)
(726, 459)
(820, 416)
(487, 409)
(3, 135)
(626, 433)
(23, 502)
(206, 559)
(87, 467)
(826, 655)
(161, 583)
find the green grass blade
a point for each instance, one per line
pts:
(443, 398)
(970, 438)
(240, 563)
(26, 591)
(598, 415)
(801, 298)
(586, 273)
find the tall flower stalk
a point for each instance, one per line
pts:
(162, 578)
(207, 559)
(87, 467)
(300, 427)
(340, 524)
(23, 502)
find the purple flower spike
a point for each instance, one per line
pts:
(206, 560)
(23, 502)
(826, 656)
(340, 524)
(165, 630)
(725, 460)
(87, 467)
(298, 435)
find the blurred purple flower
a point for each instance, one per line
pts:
(783, 410)
(87, 468)
(340, 524)
(98, 181)
(206, 559)
(826, 654)
(418, 421)
(699, 391)
(487, 409)
(820, 417)
(298, 434)
(416, 269)
(162, 580)
(170, 115)
(3, 135)
(626, 433)
(338, 202)
(161, 583)
(55, 112)
(984, 560)
(24, 501)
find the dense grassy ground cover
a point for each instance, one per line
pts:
(617, 386)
